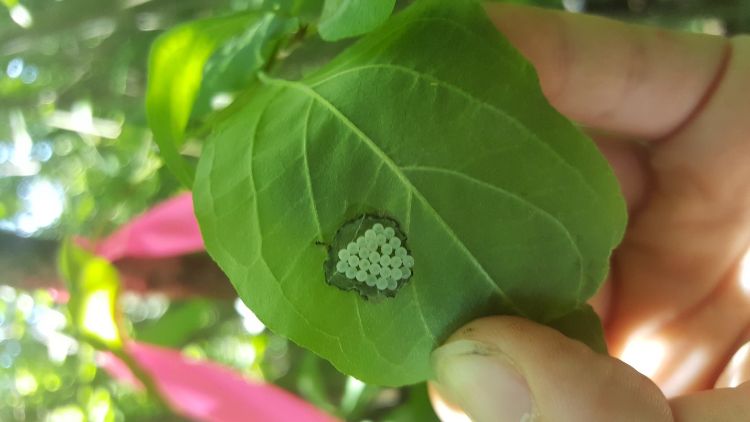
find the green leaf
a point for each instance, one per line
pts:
(10, 3)
(181, 322)
(417, 407)
(583, 324)
(234, 65)
(557, 4)
(176, 72)
(349, 18)
(434, 122)
(312, 382)
(305, 10)
(94, 285)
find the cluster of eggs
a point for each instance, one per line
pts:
(376, 258)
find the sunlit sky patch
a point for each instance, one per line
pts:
(18, 69)
(42, 200)
(43, 203)
(14, 68)
(250, 322)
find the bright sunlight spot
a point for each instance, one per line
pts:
(745, 272)
(448, 413)
(70, 413)
(25, 382)
(221, 100)
(352, 393)
(20, 160)
(737, 366)
(43, 203)
(96, 318)
(685, 373)
(21, 16)
(644, 355)
(575, 6)
(81, 121)
(250, 322)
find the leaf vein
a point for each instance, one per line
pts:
(515, 197)
(463, 93)
(360, 324)
(308, 175)
(421, 312)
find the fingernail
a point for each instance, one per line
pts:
(482, 381)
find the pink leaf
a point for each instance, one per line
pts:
(210, 392)
(168, 229)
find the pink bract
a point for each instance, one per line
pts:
(210, 392)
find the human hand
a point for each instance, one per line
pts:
(671, 112)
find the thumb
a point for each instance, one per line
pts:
(511, 369)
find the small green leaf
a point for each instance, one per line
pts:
(179, 324)
(234, 65)
(438, 123)
(583, 324)
(417, 407)
(93, 284)
(349, 18)
(305, 10)
(177, 68)
(556, 4)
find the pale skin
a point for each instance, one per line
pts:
(671, 112)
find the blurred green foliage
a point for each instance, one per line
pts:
(47, 374)
(76, 158)
(93, 286)
(205, 60)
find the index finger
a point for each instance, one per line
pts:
(633, 80)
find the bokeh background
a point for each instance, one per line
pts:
(77, 159)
